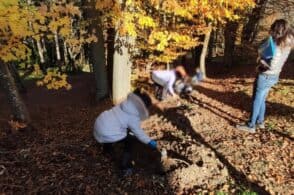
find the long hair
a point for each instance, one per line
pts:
(281, 31)
(144, 97)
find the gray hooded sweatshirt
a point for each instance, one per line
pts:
(111, 125)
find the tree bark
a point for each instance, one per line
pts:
(212, 45)
(204, 51)
(19, 109)
(65, 53)
(230, 38)
(40, 51)
(122, 64)
(19, 84)
(250, 29)
(96, 50)
(57, 47)
(110, 54)
(121, 68)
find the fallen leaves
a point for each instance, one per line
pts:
(17, 125)
(64, 158)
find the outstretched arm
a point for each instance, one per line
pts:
(135, 127)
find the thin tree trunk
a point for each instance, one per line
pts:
(230, 38)
(32, 40)
(82, 56)
(204, 50)
(57, 48)
(110, 54)
(72, 60)
(65, 53)
(212, 45)
(40, 51)
(19, 109)
(43, 44)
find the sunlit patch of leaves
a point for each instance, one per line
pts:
(54, 80)
(16, 125)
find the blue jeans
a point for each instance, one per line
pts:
(262, 85)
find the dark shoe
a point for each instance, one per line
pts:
(127, 172)
(246, 128)
(158, 94)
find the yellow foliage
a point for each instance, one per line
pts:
(146, 22)
(54, 80)
(166, 29)
(37, 71)
(13, 30)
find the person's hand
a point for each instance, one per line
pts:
(152, 144)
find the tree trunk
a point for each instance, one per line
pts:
(230, 38)
(57, 48)
(121, 64)
(72, 58)
(82, 59)
(121, 68)
(40, 51)
(43, 44)
(250, 29)
(96, 50)
(41, 55)
(204, 50)
(65, 53)
(110, 53)
(19, 84)
(19, 109)
(212, 45)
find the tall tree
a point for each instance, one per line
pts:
(14, 29)
(250, 28)
(204, 50)
(121, 68)
(230, 39)
(19, 109)
(122, 64)
(96, 49)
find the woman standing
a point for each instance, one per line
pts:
(283, 38)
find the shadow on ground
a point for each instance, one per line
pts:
(177, 118)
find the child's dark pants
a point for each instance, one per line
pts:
(127, 150)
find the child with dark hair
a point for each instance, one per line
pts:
(282, 37)
(118, 123)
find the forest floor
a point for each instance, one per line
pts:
(205, 152)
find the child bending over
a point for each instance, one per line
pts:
(165, 79)
(113, 126)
